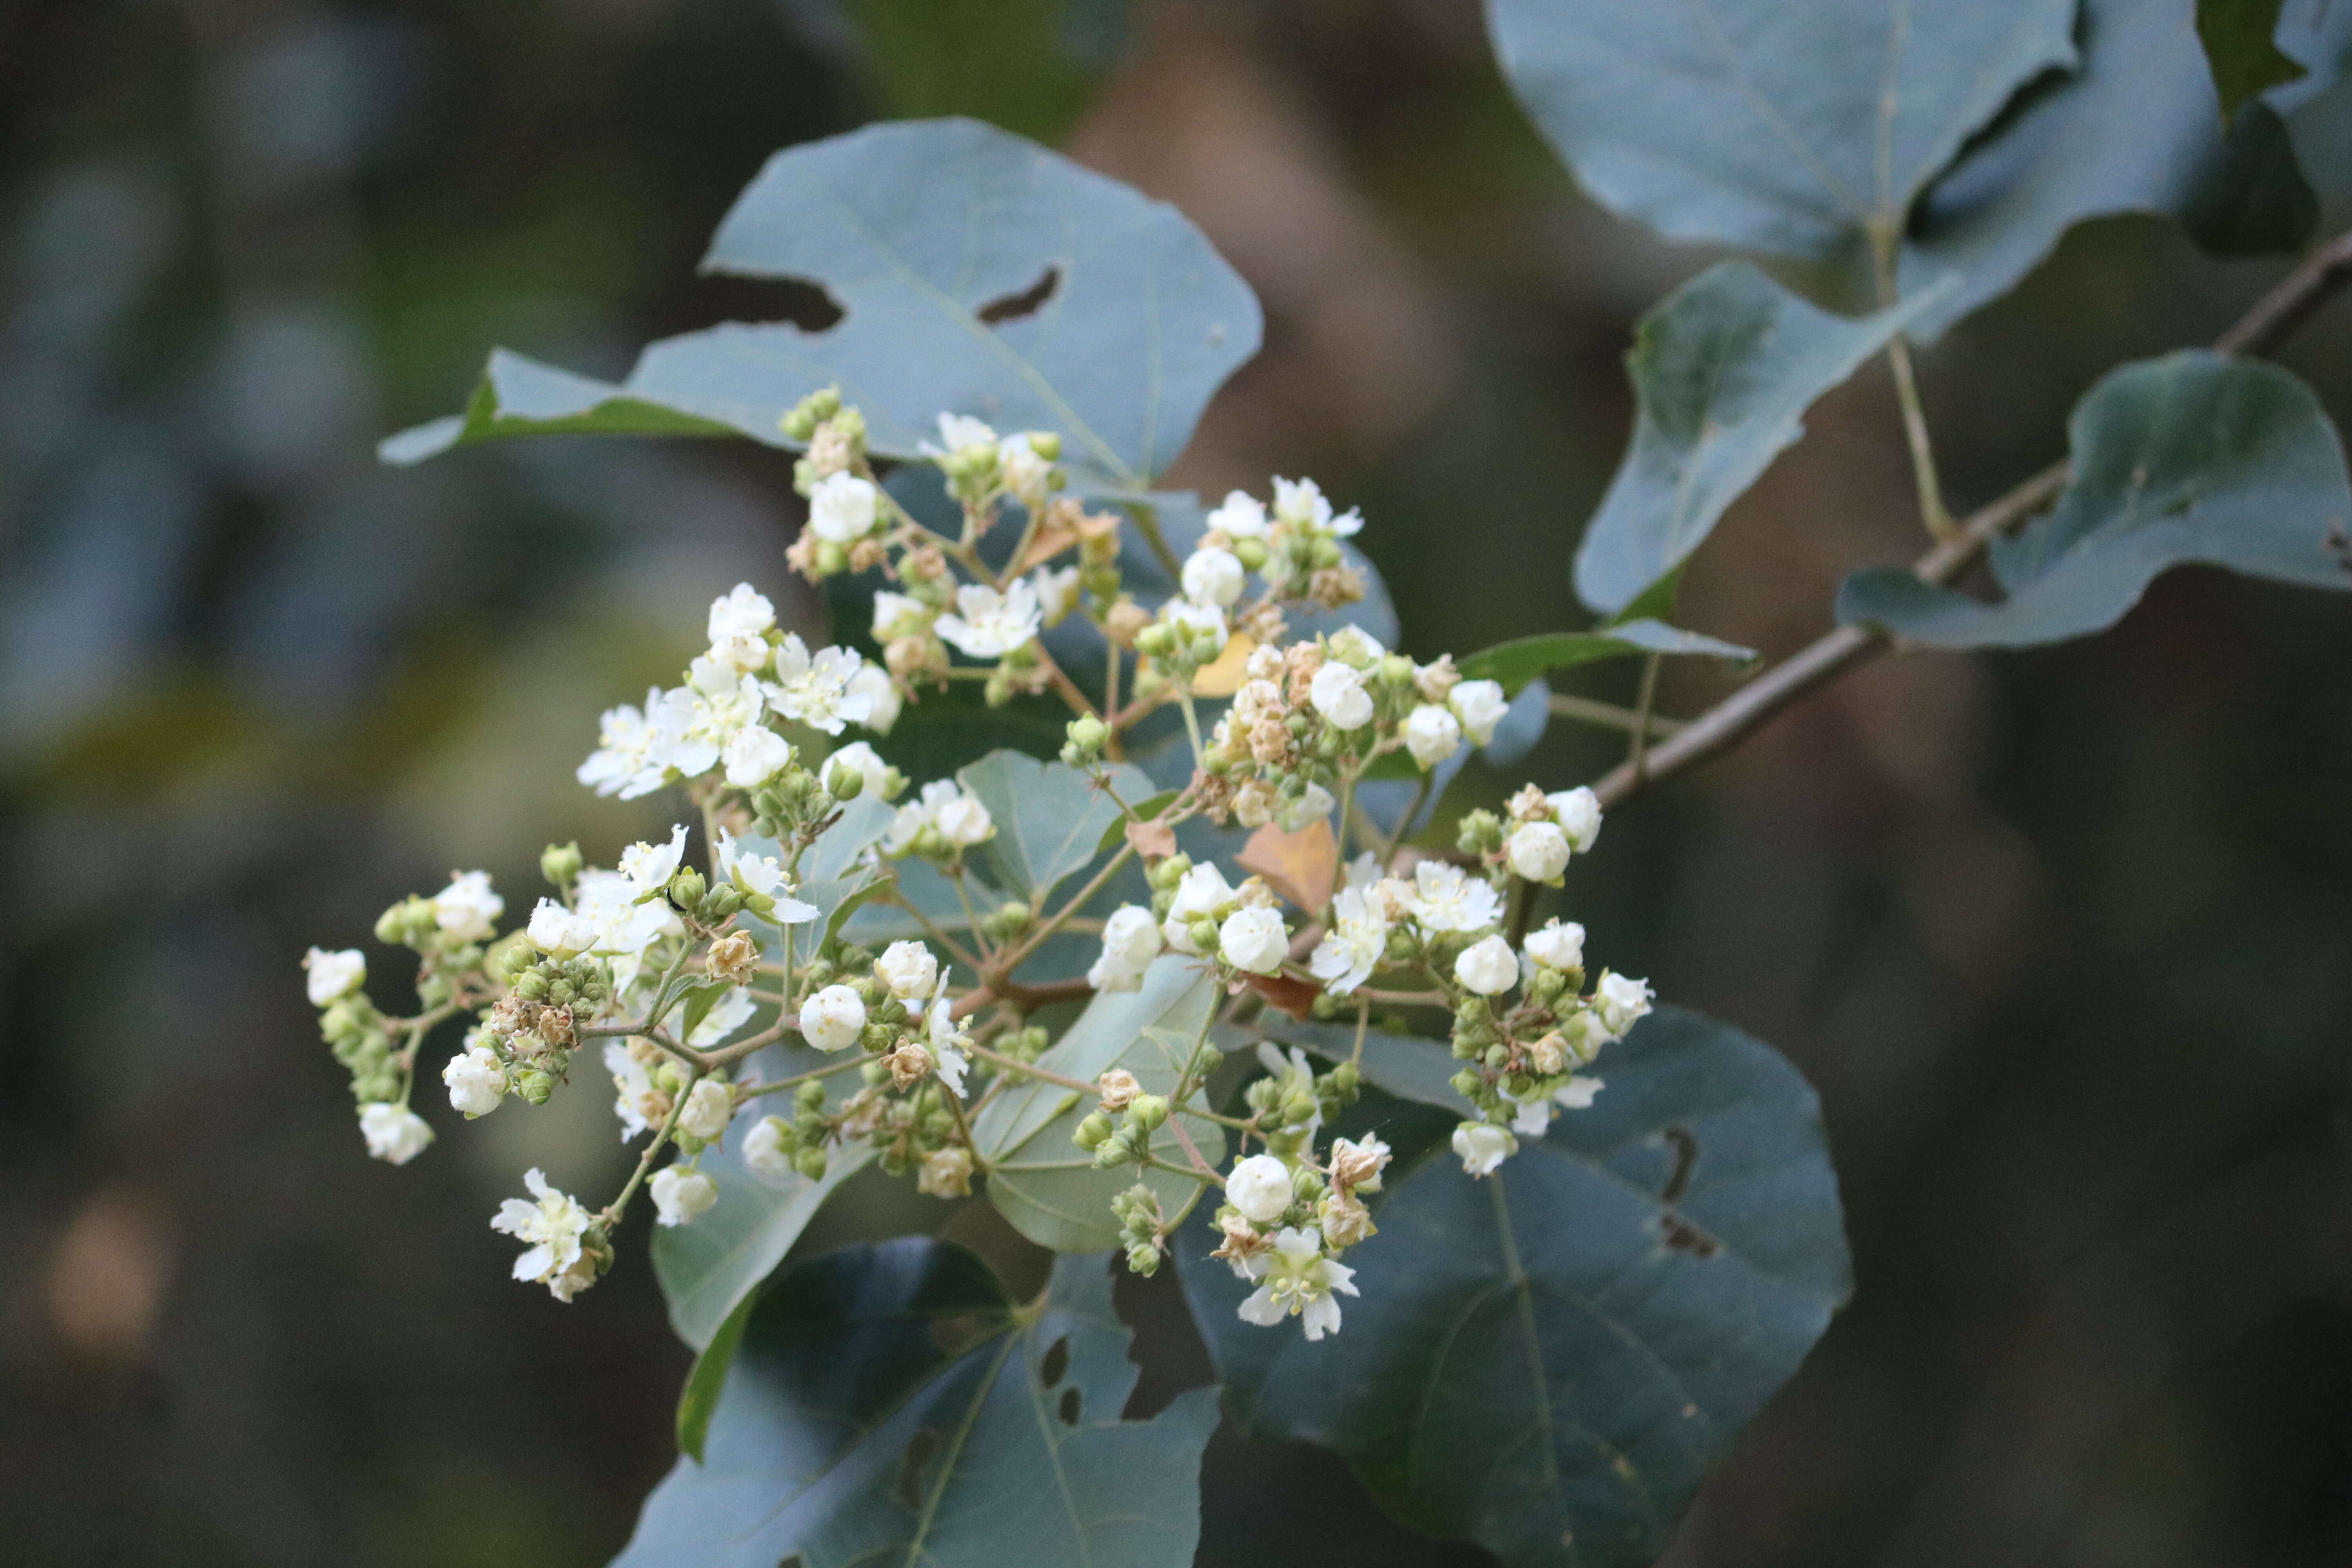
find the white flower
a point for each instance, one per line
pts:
(1585, 1034)
(957, 431)
(476, 1080)
(1578, 1093)
(557, 931)
(1358, 941)
(1260, 1187)
(1480, 705)
(945, 1173)
(1338, 694)
(639, 1104)
(1358, 1166)
(1487, 966)
(873, 772)
(1558, 945)
(395, 1133)
(899, 615)
(763, 876)
(334, 975)
(1301, 504)
(873, 686)
(1212, 576)
(832, 1018)
(680, 1197)
(1191, 620)
(1533, 1118)
(1579, 815)
(1057, 592)
(754, 755)
(1242, 517)
(1295, 1276)
(551, 1229)
(962, 821)
(1254, 939)
(627, 928)
(1431, 735)
(1620, 1002)
(764, 1152)
(466, 909)
(1027, 471)
(1130, 942)
(819, 692)
(1352, 645)
(622, 763)
(1538, 851)
(1444, 898)
(909, 971)
(1202, 895)
(647, 867)
(947, 1039)
(918, 815)
(990, 625)
(1315, 804)
(739, 628)
(710, 1106)
(1483, 1146)
(843, 508)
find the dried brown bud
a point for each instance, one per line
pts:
(1345, 1220)
(1119, 1089)
(734, 959)
(1125, 620)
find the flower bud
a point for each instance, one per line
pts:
(559, 863)
(1260, 1187)
(1094, 1132)
(810, 1163)
(833, 1019)
(1149, 1111)
(535, 1085)
(680, 1197)
(685, 888)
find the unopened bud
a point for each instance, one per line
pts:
(685, 888)
(534, 1085)
(810, 1163)
(1148, 1112)
(1094, 1132)
(559, 863)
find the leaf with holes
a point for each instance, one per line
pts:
(1047, 1185)
(1546, 1362)
(708, 1268)
(892, 1402)
(2192, 458)
(976, 273)
(1723, 371)
(1791, 129)
(1050, 818)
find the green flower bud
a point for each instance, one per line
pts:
(830, 558)
(534, 1085)
(1298, 1108)
(531, 986)
(1467, 1083)
(1394, 671)
(1152, 642)
(1250, 553)
(843, 782)
(1497, 1055)
(1203, 932)
(1143, 1258)
(810, 1163)
(1092, 1132)
(1148, 1112)
(559, 863)
(685, 888)
(810, 1095)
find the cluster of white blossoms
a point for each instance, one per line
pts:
(683, 963)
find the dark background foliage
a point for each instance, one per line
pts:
(2061, 937)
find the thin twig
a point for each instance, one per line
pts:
(2261, 331)
(1585, 709)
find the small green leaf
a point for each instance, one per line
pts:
(890, 1404)
(698, 1401)
(2191, 458)
(1791, 129)
(2240, 50)
(1547, 1361)
(1723, 371)
(1116, 834)
(1050, 818)
(1519, 661)
(933, 237)
(707, 1269)
(1047, 1185)
(699, 999)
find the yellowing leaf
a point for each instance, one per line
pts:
(1299, 865)
(1224, 678)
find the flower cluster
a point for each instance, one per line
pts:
(681, 966)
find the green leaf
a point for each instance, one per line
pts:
(1047, 1185)
(1406, 1066)
(2191, 458)
(1547, 1361)
(707, 1269)
(1049, 816)
(1785, 128)
(925, 234)
(1517, 662)
(833, 876)
(2137, 129)
(1115, 833)
(1723, 371)
(891, 1404)
(2253, 199)
(2239, 49)
(698, 1401)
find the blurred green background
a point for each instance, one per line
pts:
(2064, 938)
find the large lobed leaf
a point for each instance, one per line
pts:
(1547, 1361)
(1772, 126)
(2191, 458)
(1722, 370)
(1047, 1185)
(915, 229)
(891, 1403)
